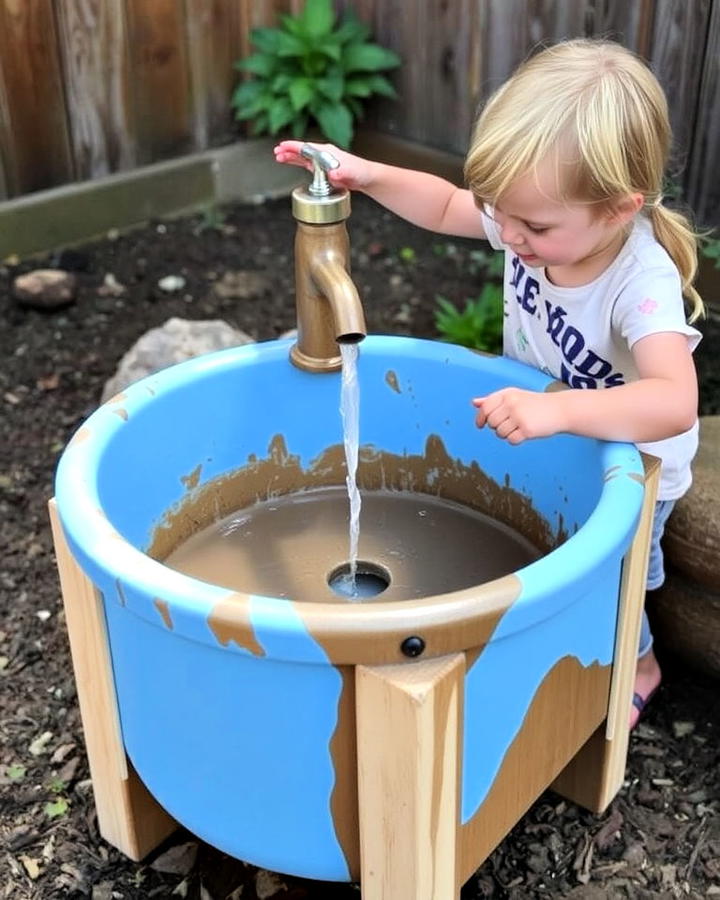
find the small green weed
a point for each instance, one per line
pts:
(407, 255)
(213, 219)
(491, 264)
(56, 785)
(56, 808)
(478, 326)
(446, 248)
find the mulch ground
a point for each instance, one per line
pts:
(660, 838)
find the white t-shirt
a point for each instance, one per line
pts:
(583, 335)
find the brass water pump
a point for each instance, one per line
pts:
(329, 311)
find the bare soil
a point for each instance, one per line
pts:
(660, 838)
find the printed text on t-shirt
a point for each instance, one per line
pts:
(580, 366)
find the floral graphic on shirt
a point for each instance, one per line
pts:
(522, 340)
(648, 306)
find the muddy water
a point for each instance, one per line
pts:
(291, 546)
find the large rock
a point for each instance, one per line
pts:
(685, 621)
(692, 534)
(173, 342)
(685, 612)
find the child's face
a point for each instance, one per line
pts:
(545, 231)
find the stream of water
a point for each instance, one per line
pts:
(350, 412)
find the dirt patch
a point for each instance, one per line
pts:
(659, 839)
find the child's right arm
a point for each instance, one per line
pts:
(425, 200)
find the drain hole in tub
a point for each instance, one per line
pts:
(369, 581)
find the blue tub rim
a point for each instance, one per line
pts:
(349, 633)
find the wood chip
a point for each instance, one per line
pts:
(31, 865)
(268, 884)
(178, 860)
(39, 744)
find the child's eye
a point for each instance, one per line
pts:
(538, 229)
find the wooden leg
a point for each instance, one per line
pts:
(129, 818)
(596, 772)
(409, 720)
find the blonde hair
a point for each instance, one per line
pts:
(603, 109)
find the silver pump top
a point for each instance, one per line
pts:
(322, 162)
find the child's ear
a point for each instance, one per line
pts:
(625, 208)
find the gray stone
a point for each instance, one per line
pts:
(171, 284)
(692, 534)
(685, 612)
(241, 285)
(171, 343)
(685, 620)
(45, 288)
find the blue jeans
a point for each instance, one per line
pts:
(656, 570)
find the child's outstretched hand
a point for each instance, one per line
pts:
(353, 173)
(517, 415)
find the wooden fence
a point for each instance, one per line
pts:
(91, 87)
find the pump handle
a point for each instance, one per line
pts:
(322, 162)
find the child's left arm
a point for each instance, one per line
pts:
(660, 404)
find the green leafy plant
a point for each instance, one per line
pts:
(312, 70)
(478, 326)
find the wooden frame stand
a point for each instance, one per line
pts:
(409, 741)
(129, 817)
(596, 772)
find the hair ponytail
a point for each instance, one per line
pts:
(673, 230)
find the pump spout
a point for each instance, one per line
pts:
(336, 285)
(329, 310)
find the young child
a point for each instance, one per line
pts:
(565, 176)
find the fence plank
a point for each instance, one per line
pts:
(703, 188)
(258, 13)
(628, 23)
(94, 43)
(8, 178)
(406, 117)
(37, 137)
(512, 30)
(677, 60)
(453, 73)
(401, 27)
(146, 80)
(366, 11)
(160, 78)
(214, 44)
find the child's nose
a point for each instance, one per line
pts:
(510, 234)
